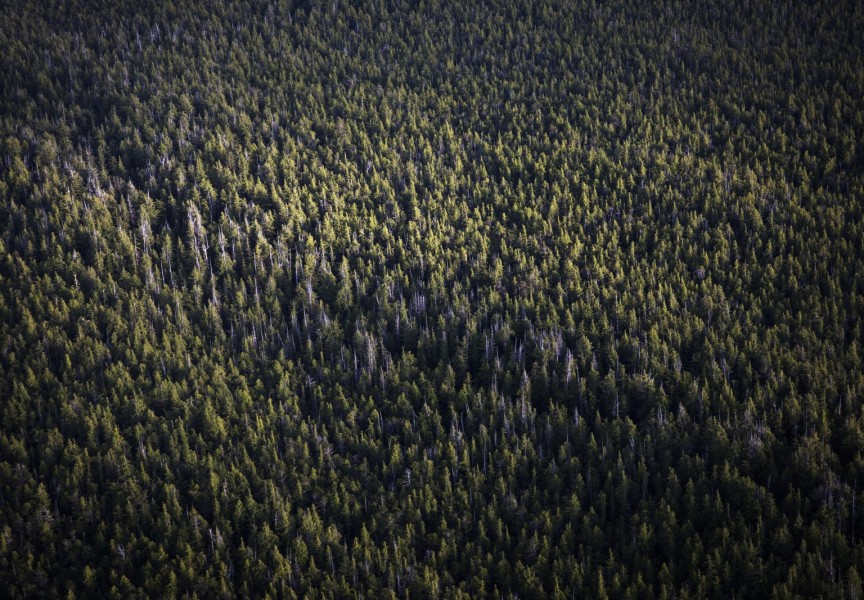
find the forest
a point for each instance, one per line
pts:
(422, 299)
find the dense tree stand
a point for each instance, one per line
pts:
(553, 299)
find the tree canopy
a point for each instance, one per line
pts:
(424, 299)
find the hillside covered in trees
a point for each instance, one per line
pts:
(536, 299)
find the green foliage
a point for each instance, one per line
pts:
(548, 299)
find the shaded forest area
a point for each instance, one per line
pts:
(542, 299)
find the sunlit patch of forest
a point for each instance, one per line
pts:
(535, 299)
